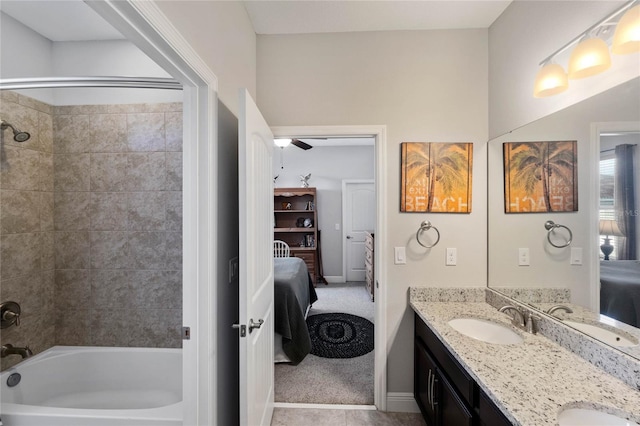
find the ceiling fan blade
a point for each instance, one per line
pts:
(300, 144)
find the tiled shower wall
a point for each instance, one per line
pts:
(115, 196)
(26, 223)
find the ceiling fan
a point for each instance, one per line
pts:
(282, 143)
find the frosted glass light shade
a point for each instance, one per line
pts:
(590, 57)
(282, 143)
(627, 36)
(551, 80)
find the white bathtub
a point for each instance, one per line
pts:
(95, 386)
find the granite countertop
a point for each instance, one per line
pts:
(532, 381)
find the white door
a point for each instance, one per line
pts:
(359, 216)
(256, 264)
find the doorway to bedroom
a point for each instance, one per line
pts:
(340, 368)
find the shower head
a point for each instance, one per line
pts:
(18, 135)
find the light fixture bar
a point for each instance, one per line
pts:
(602, 22)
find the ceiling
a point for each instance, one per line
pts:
(73, 20)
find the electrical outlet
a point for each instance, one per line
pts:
(452, 257)
(233, 270)
(400, 257)
(523, 257)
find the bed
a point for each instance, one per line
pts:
(620, 290)
(293, 295)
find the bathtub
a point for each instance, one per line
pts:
(95, 386)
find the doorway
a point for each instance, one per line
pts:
(379, 134)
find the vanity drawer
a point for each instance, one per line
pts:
(452, 368)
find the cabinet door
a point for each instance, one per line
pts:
(454, 412)
(490, 415)
(425, 384)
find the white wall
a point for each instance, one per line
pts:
(525, 34)
(428, 86)
(328, 167)
(221, 33)
(507, 232)
(25, 53)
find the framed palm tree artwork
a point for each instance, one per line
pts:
(436, 177)
(540, 177)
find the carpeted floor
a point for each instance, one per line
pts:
(331, 380)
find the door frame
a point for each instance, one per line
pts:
(379, 132)
(597, 129)
(144, 24)
(346, 182)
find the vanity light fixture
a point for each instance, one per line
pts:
(627, 37)
(591, 55)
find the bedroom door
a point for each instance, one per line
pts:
(358, 217)
(255, 150)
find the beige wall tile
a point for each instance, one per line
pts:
(145, 132)
(47, 250)
(173, 130)
(109, 211)
(72, 249)
(110, 250)
(111, 289)
(71, 211)
(109, 133)
(46, 176)
(147, 211)
(174, 250)
(148, 250)
(174, 171)
(73, 330)
(45, 132)
(19, 211)
(26, 290)
(19, 169)
(157, 289)
(73, 287)
(174, 211)
(108, 172)
(146, 171)
(20, 254)
(71, 172)
(46, 211)
(71, 133)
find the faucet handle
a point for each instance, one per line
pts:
(9, 314)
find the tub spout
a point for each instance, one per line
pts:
(9, 349)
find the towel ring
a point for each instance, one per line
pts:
(551, 226)
(425, 226)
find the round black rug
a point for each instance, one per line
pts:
(340, 335)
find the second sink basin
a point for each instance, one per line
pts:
(590, 417)
(487, 331)
(602, 334)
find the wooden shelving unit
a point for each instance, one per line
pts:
(296, 223)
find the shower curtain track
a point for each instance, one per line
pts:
(117, 82)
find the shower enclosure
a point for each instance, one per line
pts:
(91, 218)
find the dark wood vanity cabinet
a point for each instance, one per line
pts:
(444, 391)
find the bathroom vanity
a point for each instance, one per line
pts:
(461, 380)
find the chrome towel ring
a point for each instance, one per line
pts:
(551, 227)
(425, 226)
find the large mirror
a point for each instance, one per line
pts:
(562, 263)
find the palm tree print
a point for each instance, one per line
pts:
(441, 172)
(544, 171)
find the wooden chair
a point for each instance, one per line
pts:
(280, 249)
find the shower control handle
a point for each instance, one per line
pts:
(9, 314)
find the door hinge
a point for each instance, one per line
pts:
(186, 333)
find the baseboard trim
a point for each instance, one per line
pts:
(334, 279)
(402, 402)
(323, 406)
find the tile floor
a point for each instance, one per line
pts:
(332, 417)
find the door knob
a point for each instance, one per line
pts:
(349, 237)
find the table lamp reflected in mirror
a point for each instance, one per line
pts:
(609, 228)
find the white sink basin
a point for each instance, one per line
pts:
(487, 331)
(589, 417)
(604, 335)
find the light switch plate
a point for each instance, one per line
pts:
(576, 255)
(452, 257)
(523, 257)
(400, 256)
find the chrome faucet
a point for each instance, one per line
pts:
(520, 320)
(554, 308)
(9, 349)
(517, 318)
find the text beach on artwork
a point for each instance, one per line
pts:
(436, 177)
(540, 177)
